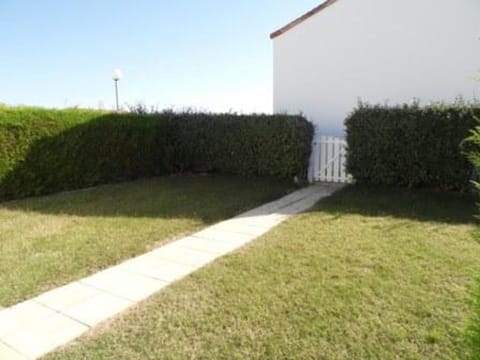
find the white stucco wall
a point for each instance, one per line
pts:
(377, 51)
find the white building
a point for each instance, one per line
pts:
(376, 51)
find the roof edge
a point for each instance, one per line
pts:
(302, 18)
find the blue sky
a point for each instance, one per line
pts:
(212, 55)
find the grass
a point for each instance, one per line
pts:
(367, 274)
(473, 331)
(49, 241)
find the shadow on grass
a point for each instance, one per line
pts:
(212, 198)
(419, 204)
(208, 198)
(112, 148)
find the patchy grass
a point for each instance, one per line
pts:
(368, 274)
(49, 241)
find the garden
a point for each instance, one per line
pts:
(385, 268)
(68, 236)
(368, 273)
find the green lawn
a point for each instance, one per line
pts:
(370, 273)
(46, 242)
(473, 333)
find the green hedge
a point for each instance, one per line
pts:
(259, 145)
(472, 147)
(45, 151)
(410, 145)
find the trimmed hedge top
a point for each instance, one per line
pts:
(44, 151)
(410, 145)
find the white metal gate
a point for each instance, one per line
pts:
(328, 160)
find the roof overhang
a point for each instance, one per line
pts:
(302, 18)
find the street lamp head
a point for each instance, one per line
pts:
(117, 74)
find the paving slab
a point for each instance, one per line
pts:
(265, 221)
(242, 227)
(21, 315)
(31, 329)
(7, 353)
(155, 267)
(40, 336)
(66, 296)
(179, 254)
(215, 247)
(223, 235)
(97, 309)
(126, 285)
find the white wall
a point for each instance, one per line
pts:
(377, 51)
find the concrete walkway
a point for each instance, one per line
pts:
(37, 326)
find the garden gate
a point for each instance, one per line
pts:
(328, 160)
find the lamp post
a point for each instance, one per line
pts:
(116, 76)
